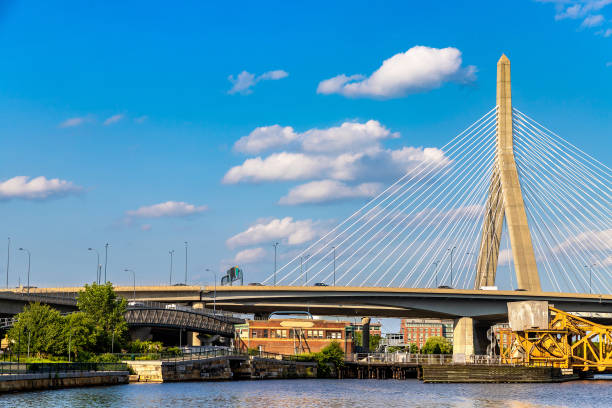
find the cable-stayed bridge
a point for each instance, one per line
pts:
(506, 193)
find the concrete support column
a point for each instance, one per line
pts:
(365, 334)
(464, 339)
(193, 339)
(140, 333)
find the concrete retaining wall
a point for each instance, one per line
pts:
(220, 368)
(30, 382)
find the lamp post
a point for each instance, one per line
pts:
(451, 262)
(334, 249)
(185, 262)
(105, 260)
(590, 268)
(8, 257)
(436, 271)
(275, 245)
(215, 292)
(97, 264)
(171, 263)
(306, 273)
(29, 258)
(134, 275)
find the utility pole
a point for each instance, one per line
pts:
(590, 267)
(134, 275)
(185, 262)
(451, 261)
(8, 257)
(275, 245)
(105, 261)
(97, 264)
(171, 262)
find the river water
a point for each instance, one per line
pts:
(322, 393)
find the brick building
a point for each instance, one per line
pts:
(417, 331)
(294, 336)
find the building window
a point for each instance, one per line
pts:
(265, 333)
(253, 333)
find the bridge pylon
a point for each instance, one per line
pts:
(505, 201)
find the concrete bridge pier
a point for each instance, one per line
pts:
(140, 333)
(467, 339)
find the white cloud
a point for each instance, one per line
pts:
(417, 70)
(245, 80)
(167, 209)
(573, 9)
(141, 119)
(588, 240)
(113, 119)
(324, 191)
(609, 64)
(250, 255)
(286, 230)
(592, 21)
(264, 138)
(349, 136)
(146, 227)
(38, 188)
(72, 122)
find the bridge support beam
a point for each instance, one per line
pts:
(465, 340)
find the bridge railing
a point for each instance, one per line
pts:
(433, 359)
(37, 368)
(218, 314)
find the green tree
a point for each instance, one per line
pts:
(78, 333)
(102, 306)
(414, 349)
(42, 327)
(374, 340)
(437, 345)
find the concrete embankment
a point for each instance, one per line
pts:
(44, 381)
(220, 368)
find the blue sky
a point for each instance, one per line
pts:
(132, 109)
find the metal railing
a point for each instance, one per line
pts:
(204, 354)
(418, 359)
(41, 368)
(217, 314)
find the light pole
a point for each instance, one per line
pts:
(275, 245)
(215, 292)
(451, 261)
(185, 262)
(436, 271)
(134, 275)
(29, 258)
(334, 249)
(97, 264)
(105, 260)
(8, 257)
(306, 275)
(590, 267)
(171, 263)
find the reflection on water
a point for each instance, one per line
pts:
(323, 393)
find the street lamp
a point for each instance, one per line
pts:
(171, 262)
(451, 261)
(105, 261)
(334, 249)
(185, 262)
(97, 265)
(215, 292)
(275, 245)
(134, 275)
(29, 258)
(306, 274)
(436, 271)
(590, 267)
